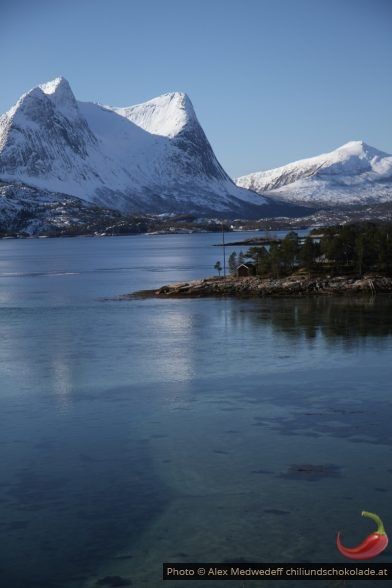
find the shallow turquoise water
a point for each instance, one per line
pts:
(136, 432)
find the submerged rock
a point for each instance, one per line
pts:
(311, 472)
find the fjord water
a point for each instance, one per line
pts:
(135, 432)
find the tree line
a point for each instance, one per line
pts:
(356, 248)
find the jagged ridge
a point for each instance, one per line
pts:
(152, 157)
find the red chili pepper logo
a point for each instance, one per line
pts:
(371, 547)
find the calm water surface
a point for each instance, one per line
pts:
(136, 432)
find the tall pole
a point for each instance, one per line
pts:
(224, 251)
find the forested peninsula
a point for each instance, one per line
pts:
(344, 260)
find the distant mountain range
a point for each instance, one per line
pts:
(152, 157)
(354, 174)
(64, 163)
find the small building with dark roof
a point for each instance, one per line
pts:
(245, 269)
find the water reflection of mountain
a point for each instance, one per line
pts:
(346, 319)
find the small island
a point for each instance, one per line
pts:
(344, 260)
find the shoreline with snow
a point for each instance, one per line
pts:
(249, 287)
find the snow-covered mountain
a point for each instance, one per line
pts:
(352, 174)
(152, 157)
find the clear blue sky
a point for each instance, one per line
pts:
(271, 81)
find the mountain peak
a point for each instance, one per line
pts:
(359, 149)
(60, 94)
(58, 91)
(353, 173)
(353, 146)
(59, 84)
(167, 115)
(179, 100)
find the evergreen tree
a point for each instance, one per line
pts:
(289, 250)
(233, 263)
(218, 267)
(263, 262)
(276, 260)
(308, 253)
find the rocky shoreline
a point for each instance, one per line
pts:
(245, 287)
